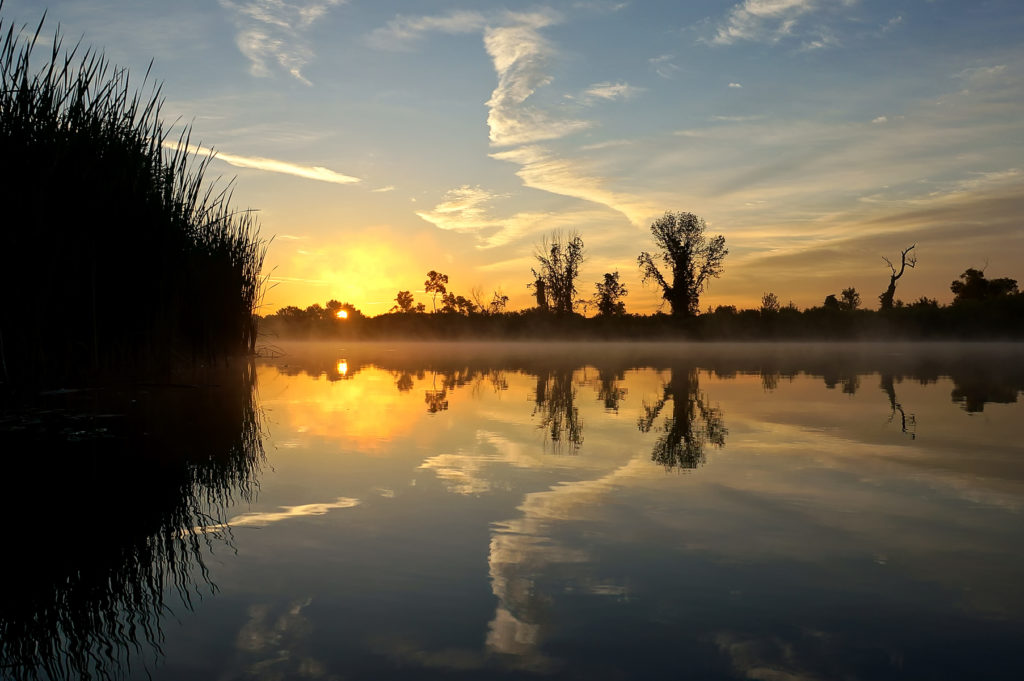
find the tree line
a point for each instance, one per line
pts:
(681, 267)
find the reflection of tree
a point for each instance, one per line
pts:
(693, 423)
(555, 400)
(849, 380)
(142, 494)
(908, 423)
(609, 388)
(404, 382)
(436, 400)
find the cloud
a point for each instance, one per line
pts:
(880, 119)
(892, 24)
(402, 30)
(381, 190)
(463, 208)
(467, 209)
(520, 55)
(271, 32)
(663, 65)
(612, 91)
(761, 20)
(541, 169)
(735, 85)
(318, 173)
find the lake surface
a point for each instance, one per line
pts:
(615, 511)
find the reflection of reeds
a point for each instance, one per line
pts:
(110, 511)
(124, 259)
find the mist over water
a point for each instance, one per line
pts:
(620, 511)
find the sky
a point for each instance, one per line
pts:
(379, 139)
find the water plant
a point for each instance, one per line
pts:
(116, 255)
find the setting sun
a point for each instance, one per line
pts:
(342, 314)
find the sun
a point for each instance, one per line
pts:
(342, 314)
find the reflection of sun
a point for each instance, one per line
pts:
(342, 367)
(342, 314)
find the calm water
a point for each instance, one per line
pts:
(599, 512)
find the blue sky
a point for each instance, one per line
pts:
(384, 139)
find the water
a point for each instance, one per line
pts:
(581, 511)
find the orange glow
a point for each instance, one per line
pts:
(342, 314)
(342, 367)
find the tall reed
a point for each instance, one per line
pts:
(116, 255)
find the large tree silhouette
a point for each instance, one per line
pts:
(689, 257)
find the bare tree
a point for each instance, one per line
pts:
(886, 299)
(498, 302)
(691, 256)
(560, 257)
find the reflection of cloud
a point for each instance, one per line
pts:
(522, 548)
(286, 513)
(272, 32)
(271, 165)
(772, 659)
(274, 646)
(466, 473)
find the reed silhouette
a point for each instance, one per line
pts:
(119, 257)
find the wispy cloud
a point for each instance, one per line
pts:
(271, 33)
(612, 91)
(470, 210)
(663, 65)
(398, 33)
(520, 55)
(539, 168)
(761, 20)
(736, 85)
(381, 190)
(271, 165)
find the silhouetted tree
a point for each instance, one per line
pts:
(850, 299)
(435, 284)
(974, 286)
(769, 303)
(457, 304)
(560, 257)
(609, 295)
(403, 302)
(690, 256)
(886, 299)
(540, 292)
(498, 303)
(831, 302)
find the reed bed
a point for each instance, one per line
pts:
(116, 255)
